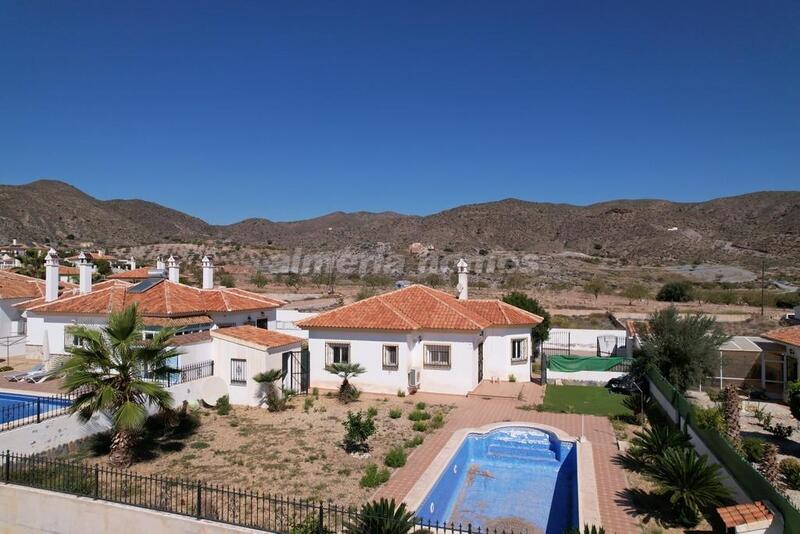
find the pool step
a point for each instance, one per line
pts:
(522, 452)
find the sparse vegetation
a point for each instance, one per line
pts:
(374, 476)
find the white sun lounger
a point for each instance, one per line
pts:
(21, 375)
(35, 377)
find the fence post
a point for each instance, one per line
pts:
(199, 497)
(7, 470)
(212, 367)
(96, 481)
(38, 409)
(320, 529)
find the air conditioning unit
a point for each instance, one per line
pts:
(413, 380)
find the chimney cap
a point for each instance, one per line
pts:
(82, 257)
(207, 259)
(52, 253)
(462, 265)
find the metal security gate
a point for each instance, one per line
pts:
(296, 369)
(557, 344)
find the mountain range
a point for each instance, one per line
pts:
(750, 226)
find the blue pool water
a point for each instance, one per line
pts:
(516, 478)
(14, 406)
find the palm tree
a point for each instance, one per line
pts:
(346, 371)
(689, 482)
(273, 396)
(108, 368)
(382, 516)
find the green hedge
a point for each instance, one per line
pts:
(756, 486)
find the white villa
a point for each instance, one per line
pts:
(422, 339)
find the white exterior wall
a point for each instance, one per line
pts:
(52, 328)
(497, 353)
(258, 361)
(366, 349)
(9, 317)
(285, 322)
(583, 340)
(195, 353)
(240, 318)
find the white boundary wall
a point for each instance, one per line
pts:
(28, 511)
(50, 433)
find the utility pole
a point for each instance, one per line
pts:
(763, 268)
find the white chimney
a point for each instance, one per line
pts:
(84, 274)
(132, 263)
(51, 276)
(14, 241)
(463, 279)
(208, 273)
(174, 270)
(160, 264)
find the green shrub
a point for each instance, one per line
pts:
(790, 471)
(401, 393)
(689, 482)
(374, 477)
(710, 418)
(308, 404)
(418, 415)
(512, 378)
(753, 449)
(780, 431)
(649, 445)
(200, 445)
(416, 441)
(676, 292)
(437, 421)
(5, 368)
(315, 392)
(223, 405)
(420, 426)
(372, 411)
(395, 413)
(384, 517)
(420, 406)
(358, 429)
(396, 457)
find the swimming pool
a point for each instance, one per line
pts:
(514, 478)
(14, 406)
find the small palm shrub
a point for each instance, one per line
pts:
(790, 472)
(374, 477)
(649, 444)
(753, 449)
(358, 429)
(689, 482)
(382, 516)
(223, 405)
(346, 371)
(395, 413)
(639, 404)
(419, 415)
(396, 457)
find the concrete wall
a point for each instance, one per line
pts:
(195, 353)
(599, 377)
(285, 322)
(28, 511)
(9, 317)
(583, 340)
(51, 433)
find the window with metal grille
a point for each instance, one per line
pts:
(337, 353)
(437, 355)
(238, 372)
(519, 350)
(390, 357)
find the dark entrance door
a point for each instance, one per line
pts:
(480, 362)
(297, 370)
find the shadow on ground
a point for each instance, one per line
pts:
(162, 433)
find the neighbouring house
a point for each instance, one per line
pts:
(751, 362)
(420, 338)
(163, 302)
(134, 275)
(241, 352)
(68, 273)
(788, 341)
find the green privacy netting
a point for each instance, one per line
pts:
(571, 364)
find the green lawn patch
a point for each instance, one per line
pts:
(589, 400)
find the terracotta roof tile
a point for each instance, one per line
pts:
(789, 335)
(177, 322)
(745, 514)
(190, 339)
(142, 273)
(265, 339)
(71, 291)
(418, 307)
(164, 299)
(19, 286)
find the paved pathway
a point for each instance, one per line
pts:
(478, 411)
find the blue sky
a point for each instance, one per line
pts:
(292, 109)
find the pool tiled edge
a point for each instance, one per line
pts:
(588, 504)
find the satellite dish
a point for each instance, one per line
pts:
(214, 388)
